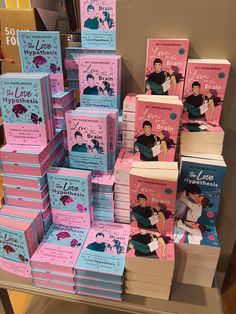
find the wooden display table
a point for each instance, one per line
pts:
(185, 299)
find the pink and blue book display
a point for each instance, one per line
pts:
(152, 202)
(113, 130)
(156, 128)
(41, 52)
(204, 92)
(26, 109)
(88, 140)
(17, 245)
(103, 258)
(98, 24)
(199, 190)
(166, 61)
(70, 196)
(100, 81)
(59, 252)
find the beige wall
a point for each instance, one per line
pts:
(211, 27)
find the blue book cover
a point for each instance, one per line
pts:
(98, 24)
(103, 201)
(195, 233)
(113, 286)
(99, 293)
(104, 249)
(41, 52)
(199, 190)
(100, 80)
(88, 140)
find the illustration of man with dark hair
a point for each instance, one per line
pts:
(156, 79)
(91, 89)
(99, 245)
(79, 146)
(197, 104)
(142, 212)
(146, 142)
(92, 22)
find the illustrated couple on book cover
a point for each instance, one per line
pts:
(150, 145)
(189, 207)
(147, 244)
(159, 81)
(100, 245)
(148, 216)
(93, 147)
(97, 20)
(93, 89)
(197, 104)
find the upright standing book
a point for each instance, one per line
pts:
(199, 190)
(166, 61)
(98, 24)
(100, 81)
(204, 92)
(41, 52)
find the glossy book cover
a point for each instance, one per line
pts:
(152, 203)
(104, 249)
(99, 81)
(88, 140)
(199, 191)
(60, 247)
(195, 233)
(70, 197)
(166, 61)
(204, 90)
(41, 52)
(150, 244)
(156, 130)
(23, 110)
(98, 24)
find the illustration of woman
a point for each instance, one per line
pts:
(106, 21)
(175, 78)
(162, 214)
(96, 148)
(107, 90)
(166, 142)
(213, 101)
(116, 248)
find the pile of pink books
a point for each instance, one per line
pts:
(24, 175)
(62, 102)
(204, 92)
(101, 265)
(54, 261)
(20, 234)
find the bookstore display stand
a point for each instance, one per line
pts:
(184, 299)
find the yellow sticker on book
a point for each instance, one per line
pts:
(11, 4)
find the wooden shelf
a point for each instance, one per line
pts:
(185, 299)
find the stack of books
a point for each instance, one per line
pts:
(19, 240)
(204, 93)
(198, 200)
(54, 261)
(101, 265)
(128, 119)
(71, 197)
(62, 102)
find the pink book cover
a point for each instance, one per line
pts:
(204, 90)
(150, 244)
(129, 103)
(156, 130)
(27, 202)
(52, 285)
(30, 213)
(99, 76)
(22, 270)
(24, 181)
(124, 161)
(23, 192)
(106, 178)
(166, 61)
(62, 98)
(152, 203)
(28, 153)
(71, 64)
(60, 249)
(60, 112)
(52, 277)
